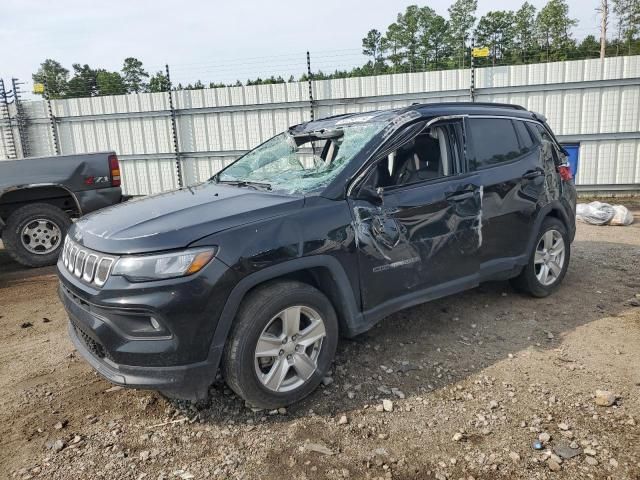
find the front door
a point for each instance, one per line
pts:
(419, 235)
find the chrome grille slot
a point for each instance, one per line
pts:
(79, 263)
(72, 258)
(91, 267)
(102, 272)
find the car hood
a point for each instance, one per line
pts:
(175, 219)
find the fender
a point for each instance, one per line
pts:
(554, 205)
(30, 186)
(351, 312)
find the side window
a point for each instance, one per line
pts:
(427, 156)
(548, 145)
(493, 141)
(524, 136)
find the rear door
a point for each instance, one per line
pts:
(422, 235)
(503, 153)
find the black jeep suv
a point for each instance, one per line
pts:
(321, 231)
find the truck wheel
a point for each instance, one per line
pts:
(34, 234)
(281, 345)
(549, 261)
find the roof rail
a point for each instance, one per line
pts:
(472, 104)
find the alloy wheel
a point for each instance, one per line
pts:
(549, 257)
(287, 351)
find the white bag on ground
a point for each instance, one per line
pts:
(598, 213)
(622, 216)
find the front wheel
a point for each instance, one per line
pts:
(281, 345)
(549, 261)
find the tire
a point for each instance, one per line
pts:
(34, 234)
(532, 279)
(248, 376)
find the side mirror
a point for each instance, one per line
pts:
(371, 195)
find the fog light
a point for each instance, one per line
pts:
(154, 323)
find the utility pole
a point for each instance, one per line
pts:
(604, 12)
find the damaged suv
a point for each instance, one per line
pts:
(321, 231)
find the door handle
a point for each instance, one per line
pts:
(459, 196)
(531, 174)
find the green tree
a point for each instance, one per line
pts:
(554, 29)
(589, 47)
(434, 33)
(392, 42)
(525, 31)
(496, 31)
(134, 75)
(84, 82)
(409, 26)
(54, 75)
(159, 83)
(372, 45)
(461, 21)
(627, 14)
(110, 83)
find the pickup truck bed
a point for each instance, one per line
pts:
(39, 197)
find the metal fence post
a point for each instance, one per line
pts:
(174, 129)
(472, 86)
(21, 118)
(52, 120)
(7, 124)
(313, 116)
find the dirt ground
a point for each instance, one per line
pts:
(474, 379)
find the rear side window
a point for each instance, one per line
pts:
(493, 141)
(524, 135)
(548, 145)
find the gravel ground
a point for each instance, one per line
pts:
(459, 388)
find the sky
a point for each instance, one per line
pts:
(210, 40)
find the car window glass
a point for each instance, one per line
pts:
(425, 157)
(493, 141)
(549, 148)
(524, 135)
(303, 162)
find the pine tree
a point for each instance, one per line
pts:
(461, 21)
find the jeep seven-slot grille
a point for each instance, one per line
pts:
(90, 266)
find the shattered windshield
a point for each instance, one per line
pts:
(300, 162)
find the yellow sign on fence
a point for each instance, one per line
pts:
(480, 52)
(38, 88)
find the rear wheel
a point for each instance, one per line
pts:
(281, 345)
(34, 234)
(549, 261)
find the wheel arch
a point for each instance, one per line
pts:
(321, 271)
(54, 194)
(553, 209)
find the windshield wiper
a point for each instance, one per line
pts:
(244, 183)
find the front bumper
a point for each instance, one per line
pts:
(188, 382)
(111, 328)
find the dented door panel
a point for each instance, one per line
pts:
(419, 238)
(510, 204)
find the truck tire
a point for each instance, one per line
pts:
(548, 262)
(34, 234)
(281, 345)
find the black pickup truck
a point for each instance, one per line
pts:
(39, 197)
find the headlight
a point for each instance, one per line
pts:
(144, 268)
